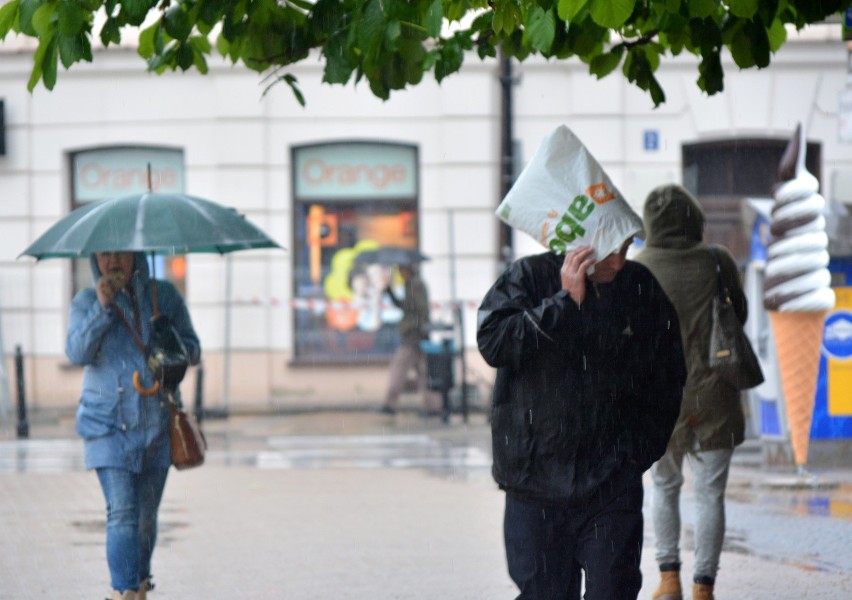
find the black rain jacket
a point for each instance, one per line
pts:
(585, 397)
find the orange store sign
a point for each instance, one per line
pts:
(113, 172)
(355, 170)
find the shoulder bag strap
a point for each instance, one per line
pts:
(721, 288)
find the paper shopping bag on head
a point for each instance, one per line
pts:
(565, 200)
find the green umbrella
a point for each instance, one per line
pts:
(149, 222)
(390, 256)
(153, 223)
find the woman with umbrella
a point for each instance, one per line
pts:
(123, 416)
(129, 380)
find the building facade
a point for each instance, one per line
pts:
(349, 172)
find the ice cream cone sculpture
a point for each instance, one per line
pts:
(797, 288)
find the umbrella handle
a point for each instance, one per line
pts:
(142, 390)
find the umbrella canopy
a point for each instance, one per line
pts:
(149, 222)
(390, 255)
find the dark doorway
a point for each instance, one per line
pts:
(721, 173)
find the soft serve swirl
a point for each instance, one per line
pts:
(797, 279)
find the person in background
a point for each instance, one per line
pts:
(125, 426)
(711, 422)
(413, 328)
(590, 373)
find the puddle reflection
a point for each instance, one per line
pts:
(279, 452)
(830, 499)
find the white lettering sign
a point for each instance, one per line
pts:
(355, 170)
(114, 172)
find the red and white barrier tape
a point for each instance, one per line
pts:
(321, 304)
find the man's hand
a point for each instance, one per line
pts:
(573, 272)
(109, 285)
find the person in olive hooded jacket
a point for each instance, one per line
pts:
(590, 373)
(711, 421)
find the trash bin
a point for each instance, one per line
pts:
(439, 370)
(439, 364)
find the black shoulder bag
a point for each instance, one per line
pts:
(731, 354)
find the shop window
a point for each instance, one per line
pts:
(115, 171)
(348, 198)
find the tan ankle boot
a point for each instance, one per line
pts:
(144, 586)
(127, 595)
(669, 586)
(702, 591)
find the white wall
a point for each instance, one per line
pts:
(236, 144)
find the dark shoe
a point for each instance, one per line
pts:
(387, 410)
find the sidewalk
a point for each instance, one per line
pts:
(362, 506)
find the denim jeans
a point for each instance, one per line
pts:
(710, 473)
(549, 548)
(132, 500)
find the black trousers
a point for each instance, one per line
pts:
(549, 548)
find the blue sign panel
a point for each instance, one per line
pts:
(651, 139)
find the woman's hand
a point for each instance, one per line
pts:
(109, 285)
(573, 272)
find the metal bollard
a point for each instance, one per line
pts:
(198, 408)
(23, 426)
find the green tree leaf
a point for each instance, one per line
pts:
(371, 29)
(27, 9)
(604, 64)
(384, 41)
(177, 22)
(568, 9)
(73, 49)
(434, 18)
(9, 16)
(110, 32)
(711, 78)
(48, 64)
(741, 50)
(338, 69)
(450, 60)
(777, 35)
(146, 47)
(540, 29)
(611, 13)
(700, 9)
(45, 20)
(291, 81)
(72, 18)
(745, 9)
(133, 12)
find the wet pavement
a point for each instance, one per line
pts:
(361, 505)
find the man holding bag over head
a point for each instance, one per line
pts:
(589, 379)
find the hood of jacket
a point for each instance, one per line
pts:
(673, 218)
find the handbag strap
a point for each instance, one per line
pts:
(137, 339)
(722, 290)
(136, 332)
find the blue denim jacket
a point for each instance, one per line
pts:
(121, 427)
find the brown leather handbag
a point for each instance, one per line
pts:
(188, 443)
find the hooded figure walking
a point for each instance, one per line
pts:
(590, 373)
(125, 426)
(711, 422)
